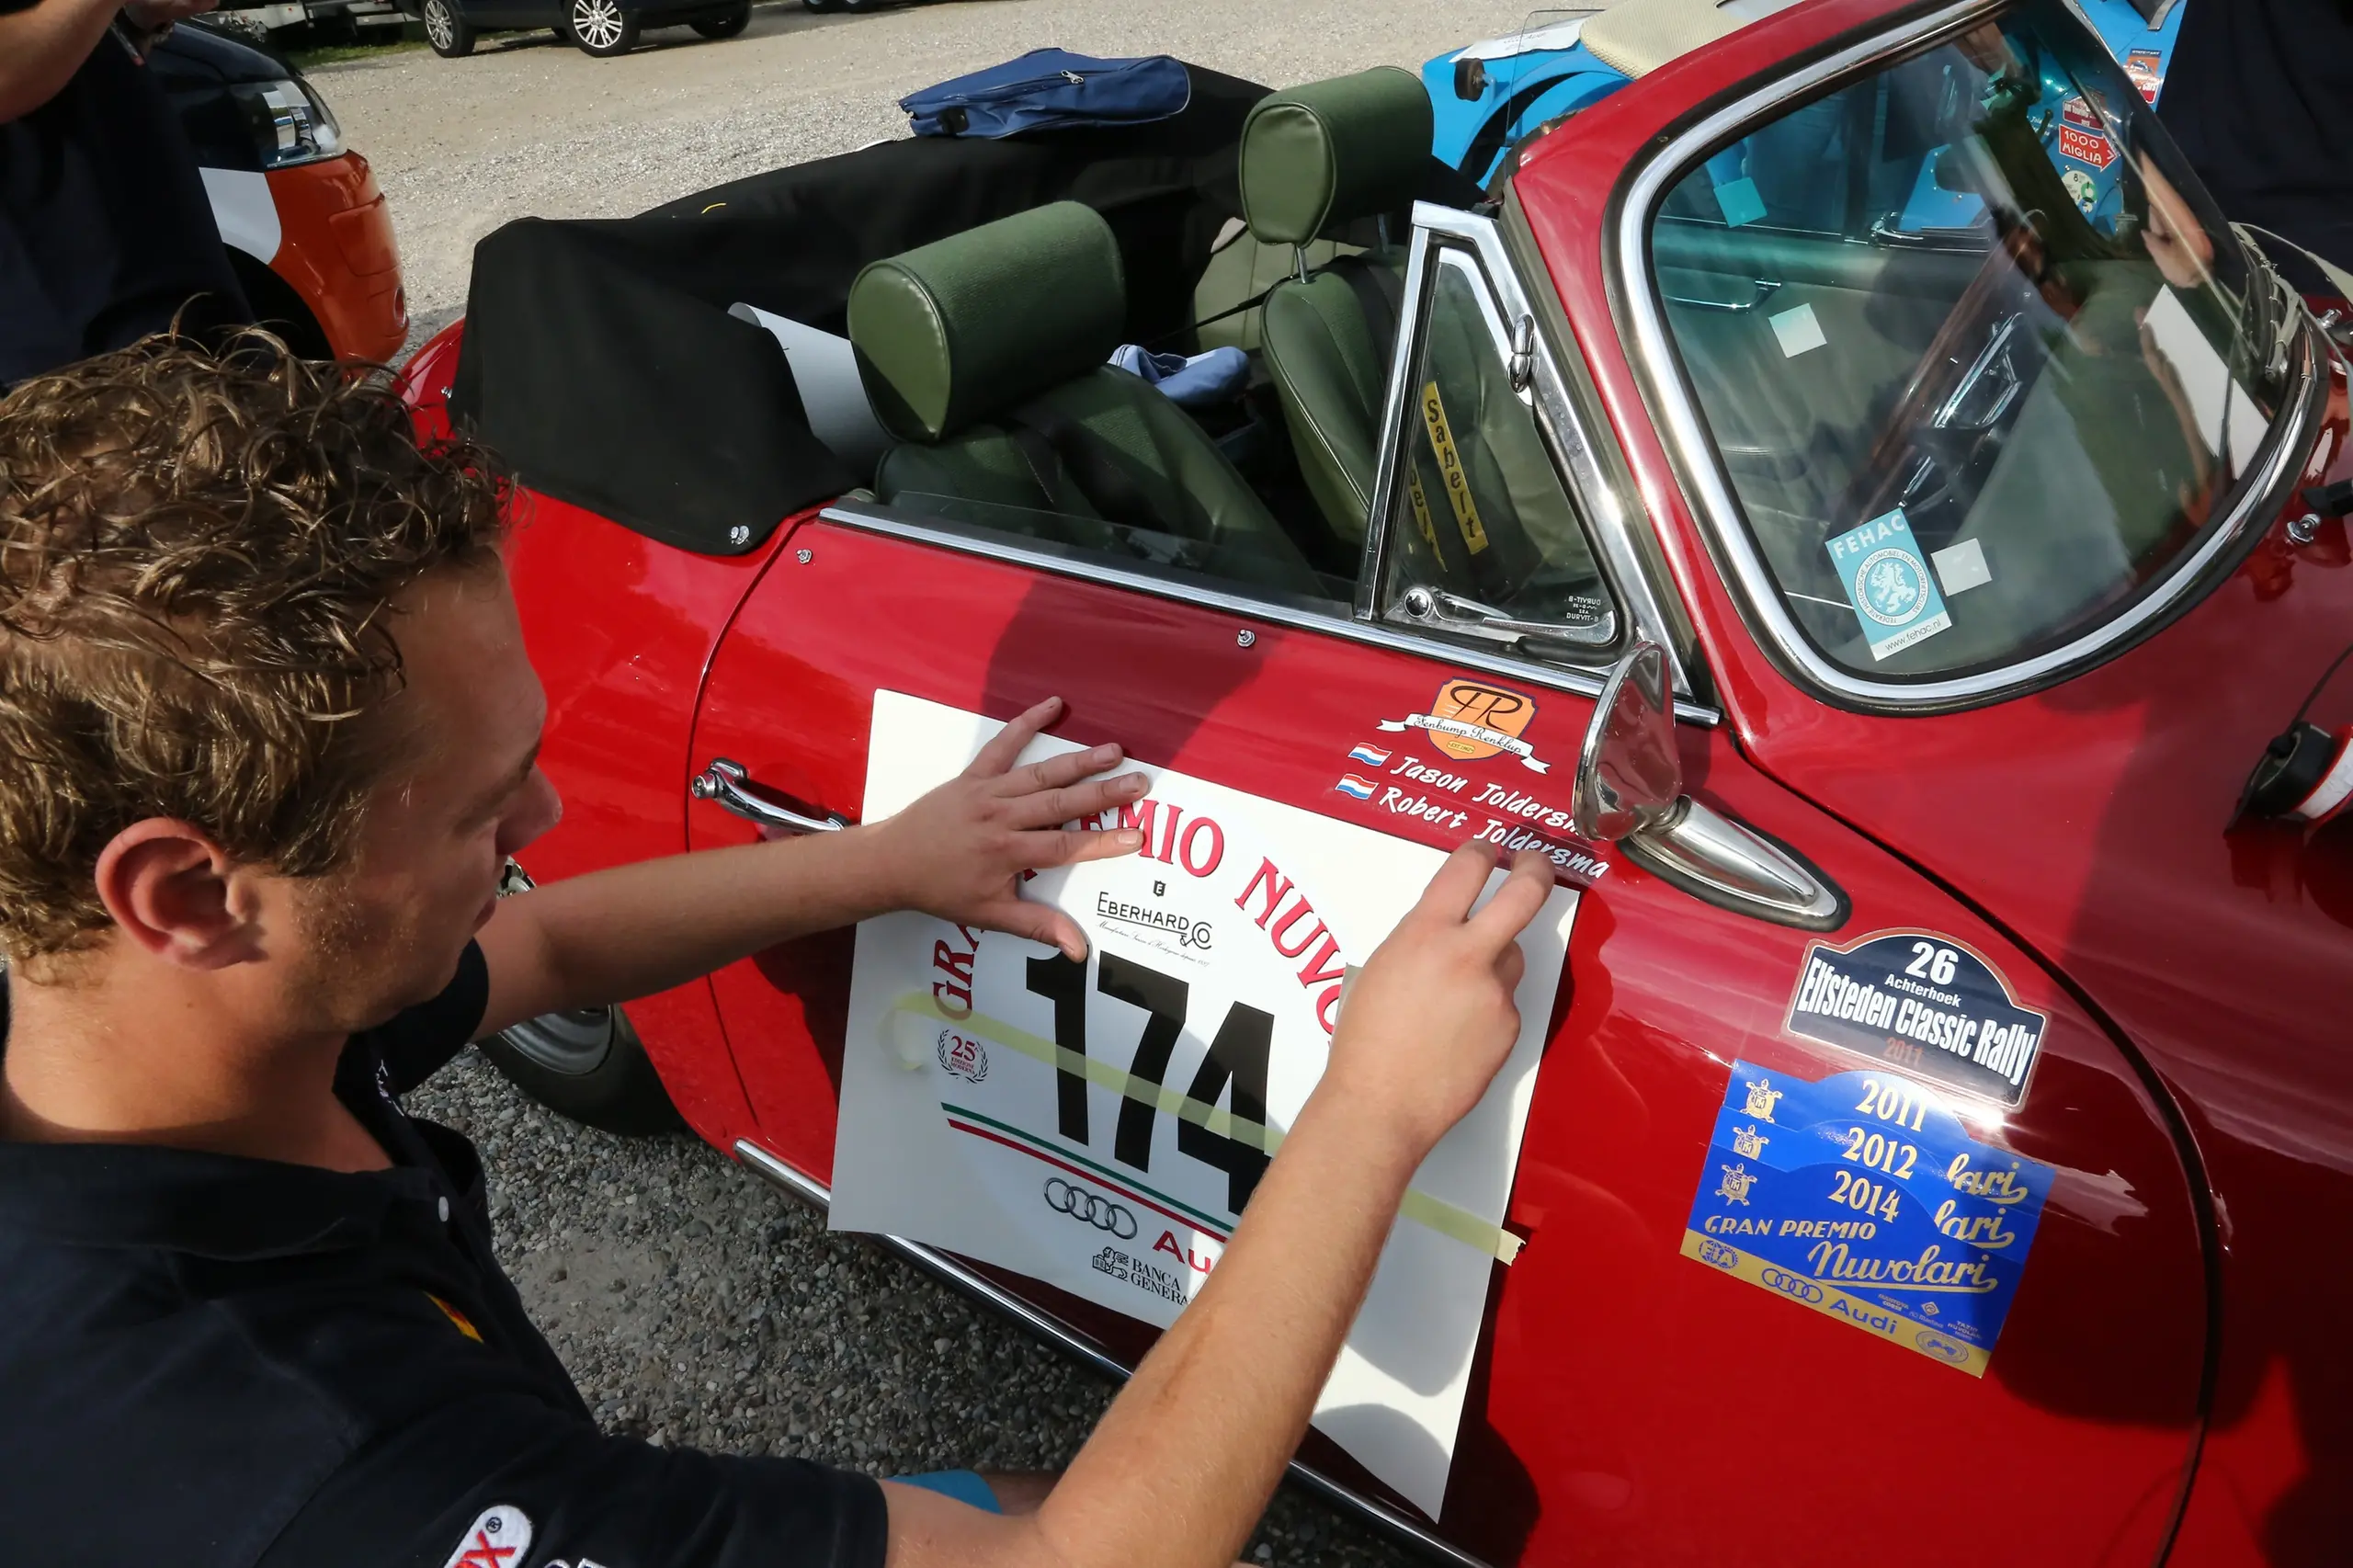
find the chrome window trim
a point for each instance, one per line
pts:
(874, 517)
(945, 1268)
(1668, 393)
(1567, 437)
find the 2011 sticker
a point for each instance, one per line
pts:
(1925, 1003)
(1863, 1197)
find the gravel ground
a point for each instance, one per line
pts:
(530, 127)
(698, 1306)
(694, 1304)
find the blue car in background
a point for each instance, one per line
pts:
(1491, 96)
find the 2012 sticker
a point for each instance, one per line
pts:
(1862, 1196)
(1923, 1002)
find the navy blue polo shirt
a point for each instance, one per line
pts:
(217, 1362)
(2257, 96)
(106, 231)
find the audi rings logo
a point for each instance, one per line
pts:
(1791, 1285)
(1098, 1210)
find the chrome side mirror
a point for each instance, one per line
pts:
(1629, 777)
(1629, 792)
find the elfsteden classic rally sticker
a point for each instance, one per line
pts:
(1921, 1002)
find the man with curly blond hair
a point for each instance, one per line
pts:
(270, 735)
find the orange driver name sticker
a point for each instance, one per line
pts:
(1470, 719)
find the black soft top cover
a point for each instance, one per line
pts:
(600, 361)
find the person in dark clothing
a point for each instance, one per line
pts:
(106, 234)
(272, 736)
(2257, 96)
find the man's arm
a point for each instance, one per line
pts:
(43, 45)
(958, 852)
(43, 42)
(1186, 1457)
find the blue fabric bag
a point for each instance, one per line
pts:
(1048, 89)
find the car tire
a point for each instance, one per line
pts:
(601, 27)
(727, 24)
(447, 30)
(589, 1066)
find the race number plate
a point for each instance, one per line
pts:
(1099, 1126)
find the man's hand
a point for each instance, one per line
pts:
(1430, 1018)
(959, 851)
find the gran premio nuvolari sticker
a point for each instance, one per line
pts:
(1923, 1002)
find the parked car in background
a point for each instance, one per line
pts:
(1876, 565)
(601, 27)
(308, 231)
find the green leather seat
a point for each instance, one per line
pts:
(983, 354)
(1312, 157)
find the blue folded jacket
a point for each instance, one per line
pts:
(1189, 383)
(1049, 89)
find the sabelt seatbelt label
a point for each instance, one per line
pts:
(1450, 467)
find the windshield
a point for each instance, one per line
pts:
(1973, 346)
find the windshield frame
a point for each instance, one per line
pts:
(1684, 433)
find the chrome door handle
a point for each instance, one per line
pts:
(723, 782)
(1766, 288)
(1426, 606)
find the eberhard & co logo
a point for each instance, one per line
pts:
(1189, 931)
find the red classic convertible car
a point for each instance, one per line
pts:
(1848, 497)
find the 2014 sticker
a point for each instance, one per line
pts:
(1862, 1196)
(1925, 1003)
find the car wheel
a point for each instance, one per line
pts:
(727, 24)
(449, 32)
(589, 1066)
(601, 27)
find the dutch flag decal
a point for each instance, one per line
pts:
(1350, 784)
(1371, 757)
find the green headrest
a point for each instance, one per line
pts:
(1350, 147)
(953, 331)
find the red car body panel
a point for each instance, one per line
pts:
(1589, 1448)
(2089, 820)
(2164, 1374)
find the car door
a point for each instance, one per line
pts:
(1650, 1383)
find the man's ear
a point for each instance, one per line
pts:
(174, 893)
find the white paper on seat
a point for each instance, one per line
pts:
(824, 367)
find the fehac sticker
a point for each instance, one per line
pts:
(1863, 1197)
(2147, 69)
(501, 1537)
(1923, 1003)
(1880, 566)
